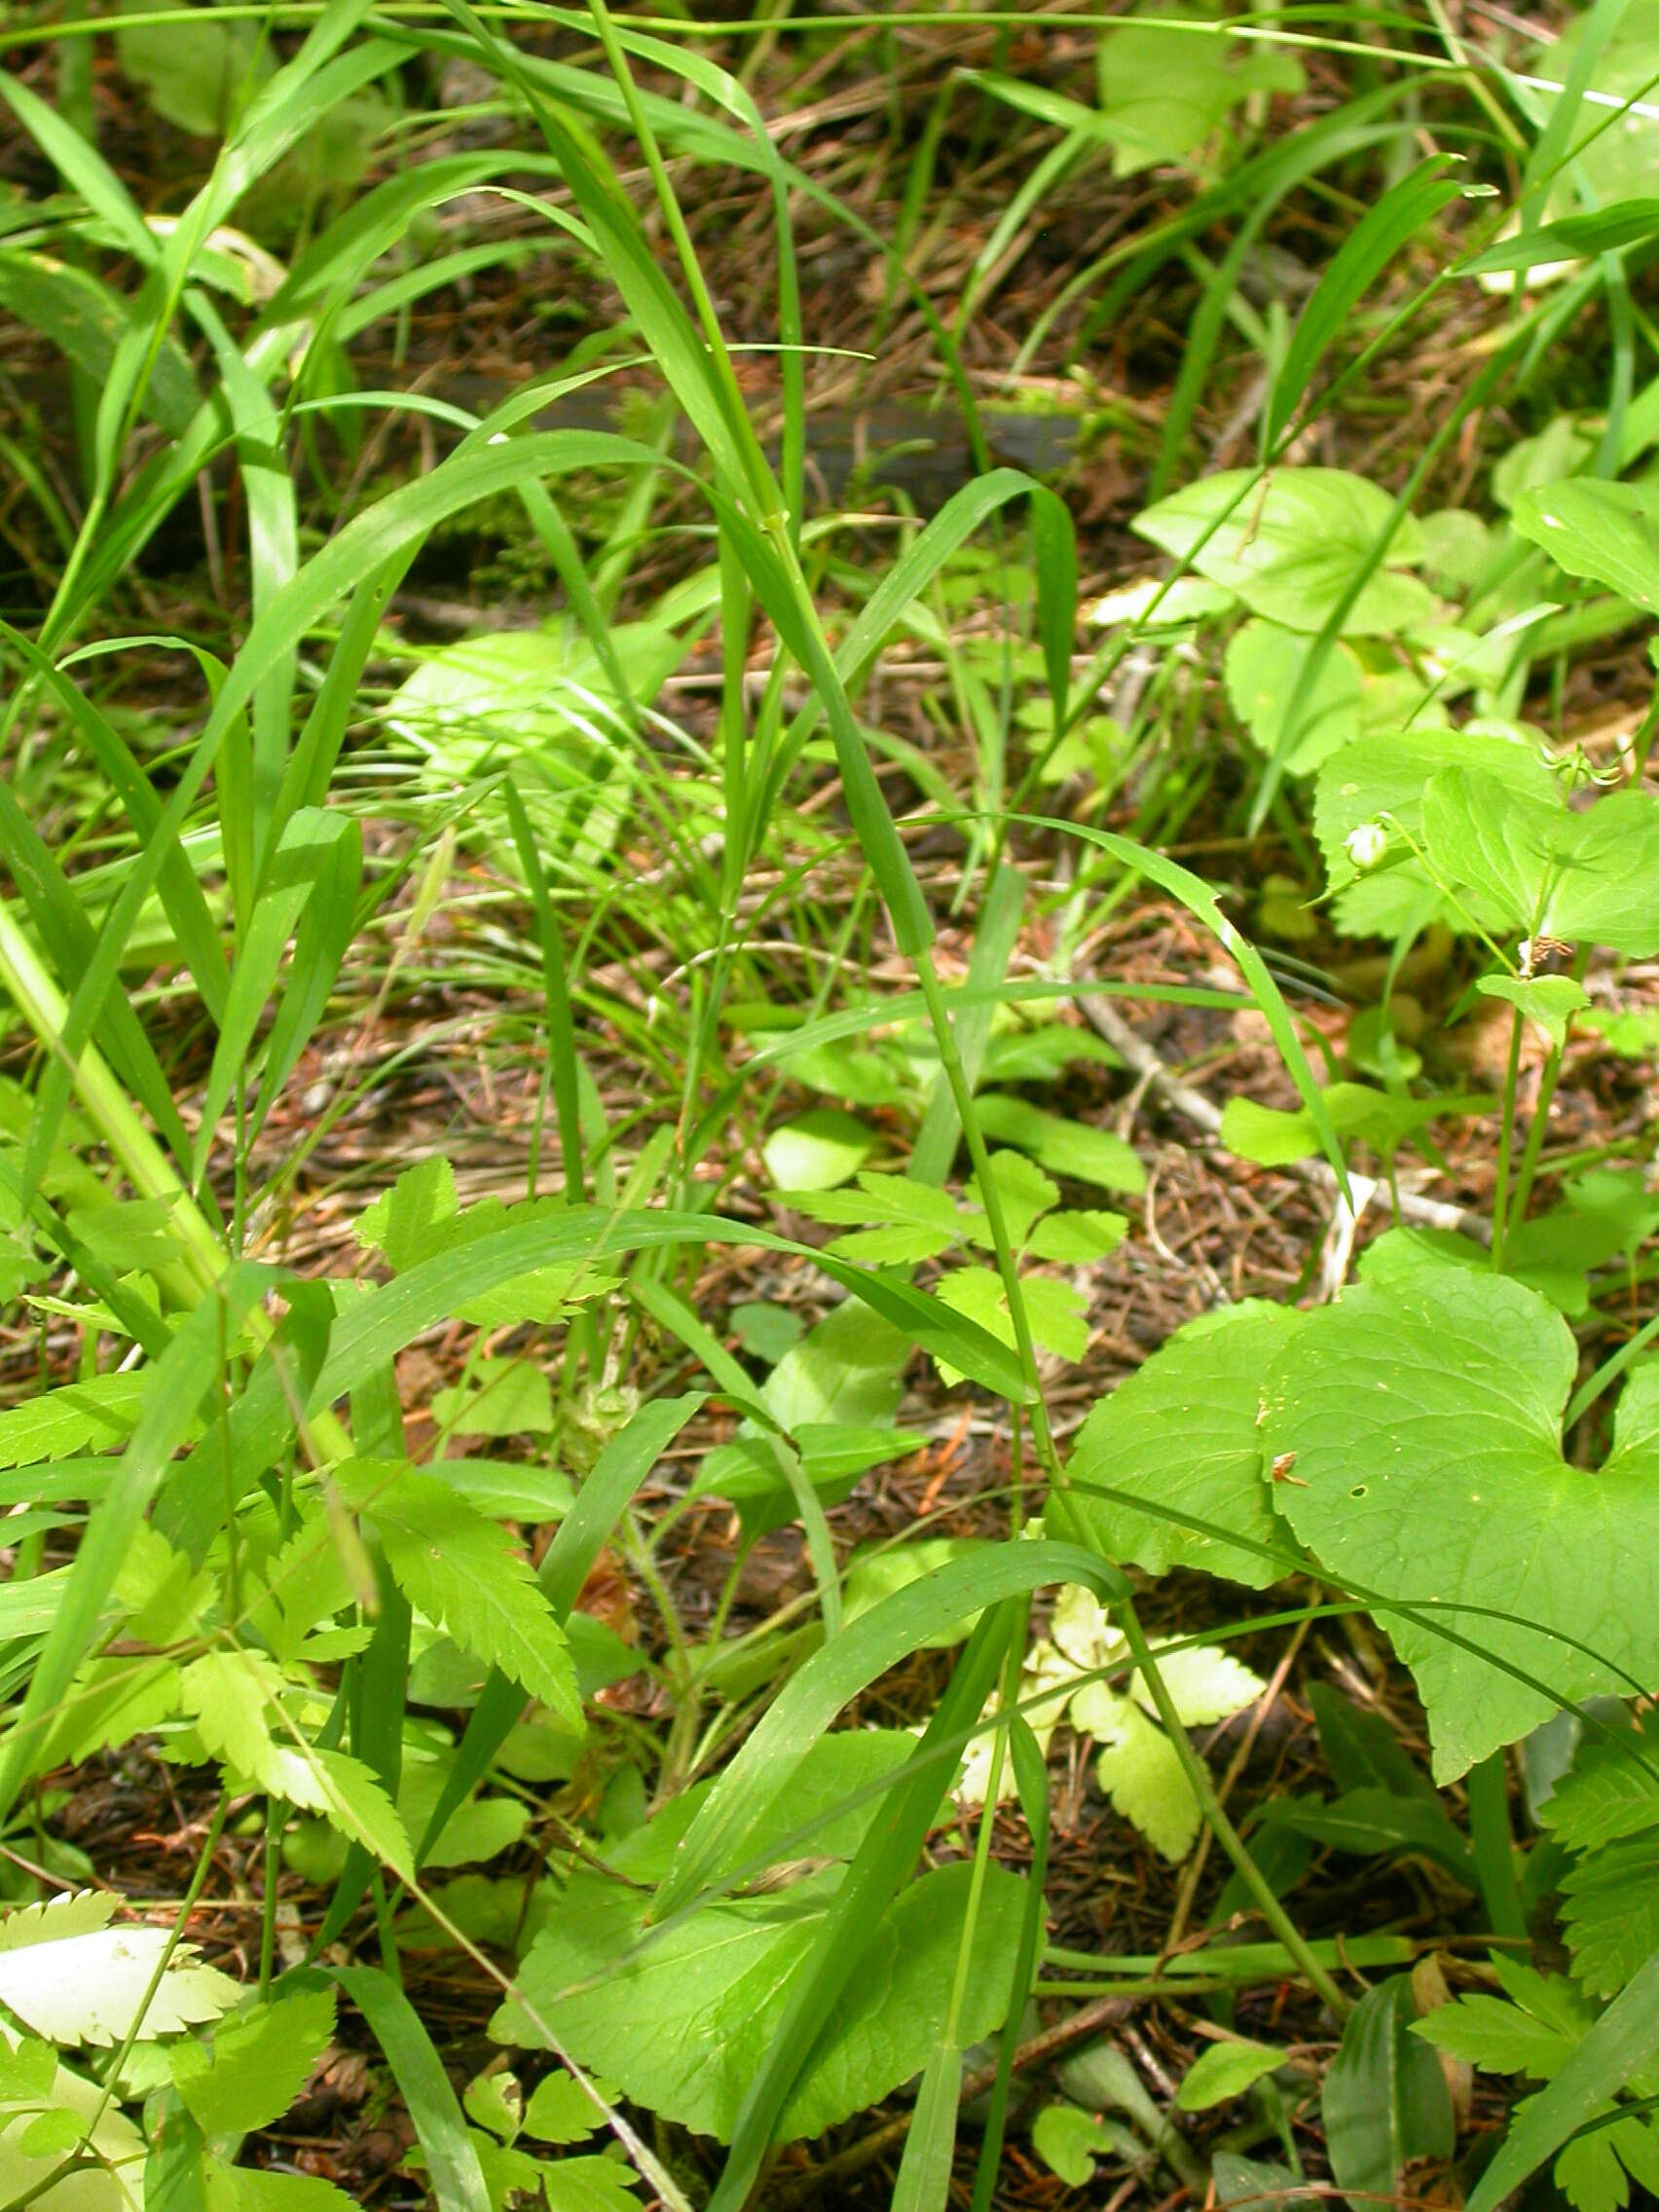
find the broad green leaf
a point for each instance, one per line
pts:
(1291, 543)
(1494, 846)
(1072, 1148)
(1271, 1137)
(816, 1151)
(258, 2065)
(1385, 2100)
(1606, 856)
(1077, 1239)
(464, 1573)
(1605, 531)
(1551, 1000)
(1264, 666)
(1576, 876)
(1425, 1419)
(1224, 2071)
(1181, 1432)
(1381, 783)
(1165, 92)
(679, 2019)
(561, 2111)
(72, 1977)
(589, 2185)
(1069, 2140)
(264, 2189)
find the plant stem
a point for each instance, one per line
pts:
(1494, 1850)
(1505, 1144)
(1043, 1438)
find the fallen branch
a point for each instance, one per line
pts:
(1428, 1213)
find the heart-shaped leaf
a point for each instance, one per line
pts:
(1293, 543)
(1424, 1415)
(1609, 532)
(1534, 865)
(1181, 1433)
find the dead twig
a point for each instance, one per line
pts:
(1429, 1213)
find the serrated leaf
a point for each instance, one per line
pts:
(1424, 1419)
(258, 2065)
(1073, 1149)
(234, 1697)
(1022, 1191)
(1496, 2036)
(91, 1416)
(69, 1975)
(1077, 1239)
(1613, 1788)
(114, 2184)
(1140, 1771)
(1181, 1431)
(465, 1575)
(1057, 1314)
(1292, 544)
(1205, 1684)
(1610, 1912)
(408, 1223)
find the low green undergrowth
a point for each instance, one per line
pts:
(343, 1615)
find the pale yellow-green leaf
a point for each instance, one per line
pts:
(1204, 1684)
(1140, 1771)
(115, 2184)
(73, 1978)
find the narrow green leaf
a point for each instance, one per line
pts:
(1361, 258)
(452, 2163)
